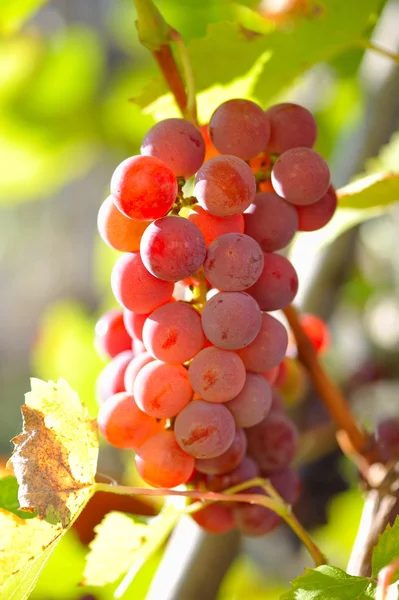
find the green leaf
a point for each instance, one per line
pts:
(330, 583)
(9, 498)
(13, 13)
(381, 189)
(387, 548)
(123, 543)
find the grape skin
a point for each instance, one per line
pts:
(253, 403)
(111, 379)
(231, 320)
(117, 230)
(215, 518)
(225, 186)
(162, 390)
(273, 442)
(388, 438)
(178, 144)
(239, 127)
(268, 348)
(253, 519)
(172, 248)
(217, 375)
(173, 333)
(212, 227)
(246, 470)
(162, 463)
(277, 286)
(317, 215)
(227, 461)
(133, 368)
(234, 262)
(134, 323)
(135, 288)
(287, 483)
(271, 221)
(291, 126)
(111, 336)
(300, 176)
(204, 430)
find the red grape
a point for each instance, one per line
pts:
(291, 126)
(227, 461)
(111, 337)
(212, 227)
(215, 518)
(135, 365)
(246, 470)
(162, 390)
(143, 188)
(315, 216)
(278, 405)
(301, 176)
(271, 374)
(225, 186)
(317, 331)
(111, 379)
(287, 483)
(271, 221)
(268, 348)
(117, 230)
(388, 438)
(124, 425)
(178, 144)
(173, 333)
(135, 288)
(217, 375)
(278, 284)
(162, 463)
(240, 128)
(134, 323)
(234, 262)
(231, 320)
(273, 442)
(204, 430)
(253, 403)
(253, 519)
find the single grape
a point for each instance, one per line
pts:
(143, 188)
(273, 442)
(204, 430)
(317, 331)
(215, 518)
(162, 463)
(271, 221)
(278, 405)
(135, 365)
(291, 126)
(178, 144)
(111, 336)
(225, 186)
(301, 176)
(253, 519)
(217, 375)
(253, 403)
(268, 348)
(123, 424)
(172, 248)
(227, 461)
(239, 127)
(212, 227)
(173, 333)
(287, 483)
(245, 471)
(271, 374)
(162, 390)
(231, 320)
(234, 262)
(135, 288)
(315, 216)
(278, 284)
(388, 438)
(134, 323)
(111, 379)
(117, 230)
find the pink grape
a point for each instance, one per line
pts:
(273, 442)
(212, 227)
(227, 461)
(300, 176)
(245, 471)
(162, 463)
(278, 405)
(225, 186)
(134, 323)
(315, 216)
(135, 365)
(253, 519)
(172, 248)
(287, 483)
(135, 288)
(271, 374)
(217, 375)
(268, 348)
(173, 333)
(143, 188)
(215, 518)
(231, 320)
(162, 390)
(178, 144)
(253, 403)
(117, 230)
(291, 126)
(204, 430)
(239, 127)
(271, 221)
(111, 379)
(278, 284)
(111, 336)
(234, 262)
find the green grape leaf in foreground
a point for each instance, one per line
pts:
(330, 583)
(9, 498)
(387, 548)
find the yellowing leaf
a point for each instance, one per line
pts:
(55, 456)
(380, 189)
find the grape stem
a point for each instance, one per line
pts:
(353, 440)
(369, 45)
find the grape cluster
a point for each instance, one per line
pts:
(194, 352)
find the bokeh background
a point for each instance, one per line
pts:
(66, 78)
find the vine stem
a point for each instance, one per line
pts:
(369, 45)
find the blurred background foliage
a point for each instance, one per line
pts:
(67, 71)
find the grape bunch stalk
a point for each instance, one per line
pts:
(194, 351)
